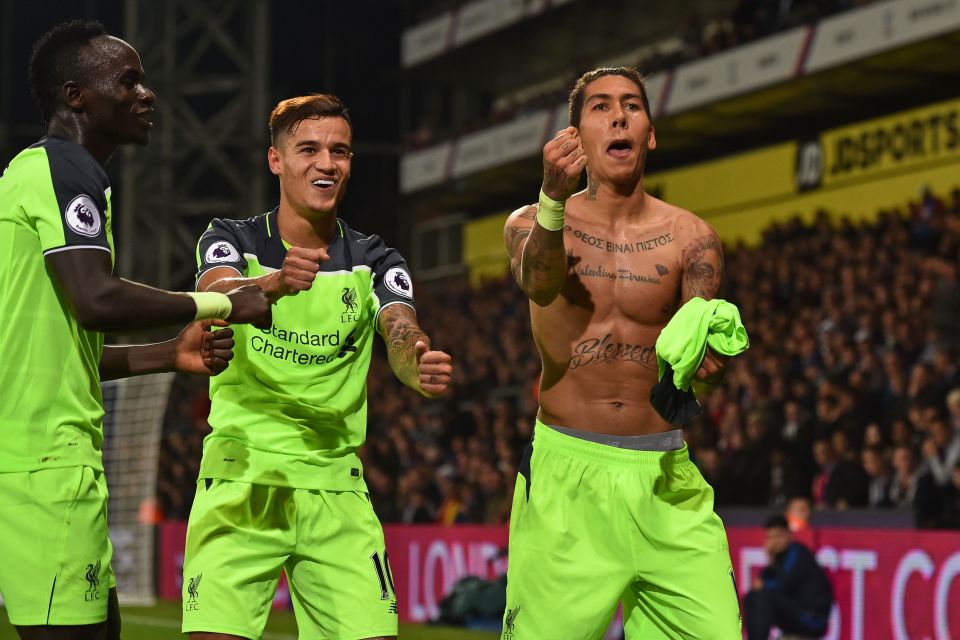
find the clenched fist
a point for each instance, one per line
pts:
(435, 369)
(563, 162)
(298, 272)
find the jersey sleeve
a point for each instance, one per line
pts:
(391, 277)
(67, 201)
(220, 246)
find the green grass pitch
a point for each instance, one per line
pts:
(162, 622)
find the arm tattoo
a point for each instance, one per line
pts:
(702, 268)
(515, 238)
(398, 324)
(538, 261)
(543, 265)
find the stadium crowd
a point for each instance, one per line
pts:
(849, 394)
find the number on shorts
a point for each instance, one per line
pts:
(383, 573)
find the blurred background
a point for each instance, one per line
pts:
(821, 138)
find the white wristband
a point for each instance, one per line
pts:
(550, 213)
(211, 304)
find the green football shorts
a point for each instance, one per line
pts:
(330, 544)
(56, 562)
(594, 525)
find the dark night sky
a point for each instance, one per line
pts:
(348, 48)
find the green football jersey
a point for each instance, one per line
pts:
(291, 408)
(53, 197)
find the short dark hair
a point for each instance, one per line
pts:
(576, 94)
(289, 112)
(55, 59)
(776, 522)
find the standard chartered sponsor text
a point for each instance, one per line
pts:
(263, 344)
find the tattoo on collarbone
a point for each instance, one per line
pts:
(703, 266)
(606, 351)
(620, 273)
(632, 246)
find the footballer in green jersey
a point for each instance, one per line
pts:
(58, 294)
(281, 486)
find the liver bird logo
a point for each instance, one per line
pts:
(349, 298)
(510, 620)
(93, 575)
(192, 587)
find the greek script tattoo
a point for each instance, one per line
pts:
(401, 334)
(636, 246)
(702, 268)
(605, 351)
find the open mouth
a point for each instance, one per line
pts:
(324, 184)
(620, 148)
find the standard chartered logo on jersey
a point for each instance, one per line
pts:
(302, 347)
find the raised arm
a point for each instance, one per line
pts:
(534, 235)
(409, 352)
(104, 302)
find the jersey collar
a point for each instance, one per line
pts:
(339, 248)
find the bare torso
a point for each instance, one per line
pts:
(597, 338)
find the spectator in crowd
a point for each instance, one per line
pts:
(880, 479)
(941, 451)
(792, 592)
(913, 488)
(840, 483)
(950, 506)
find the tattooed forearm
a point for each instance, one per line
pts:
(538, 261)
(514, 237)
(702, 268)
(398, 324)
(543, 265)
